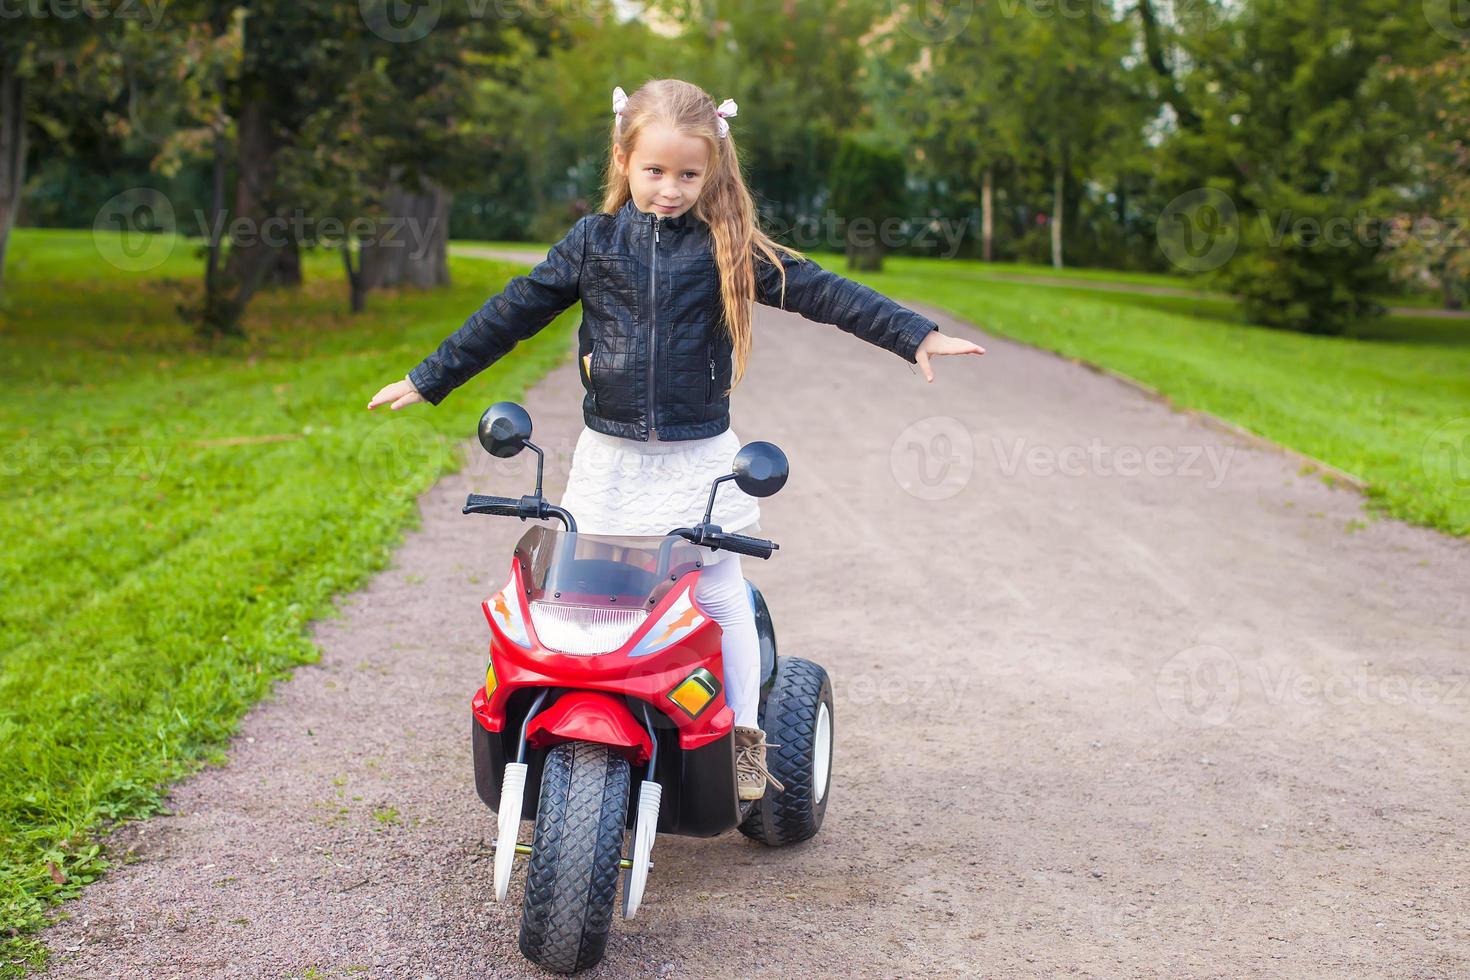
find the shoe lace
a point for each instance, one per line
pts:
(748, 761)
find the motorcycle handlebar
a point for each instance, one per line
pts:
(742, 545)
(479, 503)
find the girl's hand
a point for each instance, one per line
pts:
(939, 343)
(399, 394)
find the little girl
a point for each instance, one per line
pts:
(666, 274)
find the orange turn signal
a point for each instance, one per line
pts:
(694, 693)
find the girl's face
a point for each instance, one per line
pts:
(666, 170)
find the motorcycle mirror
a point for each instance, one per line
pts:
(505, 428)
(760, 468)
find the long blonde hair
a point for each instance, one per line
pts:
(725, 203)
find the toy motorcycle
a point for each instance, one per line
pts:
(602, 665)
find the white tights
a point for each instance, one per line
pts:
(720, 591)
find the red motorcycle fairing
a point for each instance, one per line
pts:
(589, 716)
(651, 677)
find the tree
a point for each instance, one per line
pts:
(867, 188)
(1428, 246)
(1301, 125)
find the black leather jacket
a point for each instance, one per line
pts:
(651, 322)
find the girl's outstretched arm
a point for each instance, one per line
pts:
(526, 304)
(826, 297)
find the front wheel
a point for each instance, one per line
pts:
(797, 719)
(573, 875)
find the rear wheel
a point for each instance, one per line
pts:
(797, 719)
(573, 875)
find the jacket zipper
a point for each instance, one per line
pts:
(653, 334)
(709, 391)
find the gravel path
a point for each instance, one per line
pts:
(1192, 721)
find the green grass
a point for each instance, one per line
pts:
(1389, 404)
(174, 517)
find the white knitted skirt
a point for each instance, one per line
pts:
(625, 486)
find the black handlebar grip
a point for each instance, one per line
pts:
(742, 545)
(479, 503)
(480, 499)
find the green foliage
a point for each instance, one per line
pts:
(1303, 124)
(176, 517)
(867, 186)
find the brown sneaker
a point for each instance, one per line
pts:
(751, 774)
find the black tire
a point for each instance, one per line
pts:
(573, 875)
(789, 718)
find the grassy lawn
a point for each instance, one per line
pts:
(1389, 404)
(175, 517)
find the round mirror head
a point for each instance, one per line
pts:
(760, 468)
(504, 429)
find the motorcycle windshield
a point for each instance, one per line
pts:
(588, 593)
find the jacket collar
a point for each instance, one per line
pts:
(681, 222)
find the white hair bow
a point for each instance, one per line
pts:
(727, 109)
(620, 100)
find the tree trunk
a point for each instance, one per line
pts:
(987, 216)
(250, 257)
(285, 270)
(864, 256)
(1154, 50)
(12, 151)
(356, 291)
(216, 215)
(1058, 202)
(412, 244)
(1448, 291)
